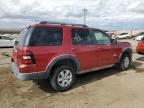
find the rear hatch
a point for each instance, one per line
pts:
(36, 46)
(20, 42)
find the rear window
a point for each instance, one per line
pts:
(46, 36)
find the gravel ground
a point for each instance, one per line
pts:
(108, 88)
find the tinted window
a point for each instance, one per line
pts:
(100, 37)
(123, 33)
(142, 39)
(142, 33)
(5, 38)
(43, 36)
(81, 36)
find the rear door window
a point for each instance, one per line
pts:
(46, 36)
(81, 36)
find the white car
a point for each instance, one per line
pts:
(139, 37)
(6, 41)
(122, 36)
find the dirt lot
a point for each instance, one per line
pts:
(109, 88)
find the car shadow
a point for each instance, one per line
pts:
(140, 58)
(136, 66)
(89, 77)
(44, 85)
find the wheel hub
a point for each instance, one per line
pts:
(64, 78)
(126, 62)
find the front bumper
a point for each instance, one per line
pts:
(27, 76)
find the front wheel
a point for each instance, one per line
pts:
(125, 62)
(62, 78)
(117, 38)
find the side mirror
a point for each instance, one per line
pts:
(16, 42)
(114, 41)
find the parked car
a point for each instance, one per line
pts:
(140, 46)
(122, 36)
(6, 41)
(110, 33)
(138, 34)
(139, 37)
(59, 51)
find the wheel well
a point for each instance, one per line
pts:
(64, 62)
(128, 52)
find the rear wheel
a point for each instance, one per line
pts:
(125, 62)
(139, 52)
(63, 78)
(128, 37)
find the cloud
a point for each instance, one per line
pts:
(137, 7)
(100, 13)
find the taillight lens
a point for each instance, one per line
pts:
(27, 57)
(140, 43)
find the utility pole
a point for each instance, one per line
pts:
(84, 11)
(36, 20)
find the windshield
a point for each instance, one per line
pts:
(123, 33)
(142, 38)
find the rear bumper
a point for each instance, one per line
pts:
(140, 50)
(27, 76)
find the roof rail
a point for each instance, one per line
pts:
(47, 22)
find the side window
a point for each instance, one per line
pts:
(81, 36)
(100, 37)
(24, 34)
(5, 38)
(43, 36)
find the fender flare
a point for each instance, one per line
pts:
(125, 50)
(62, 57)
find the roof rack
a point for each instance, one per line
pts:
(47, 22)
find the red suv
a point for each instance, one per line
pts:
(60, 51)
(140, 46)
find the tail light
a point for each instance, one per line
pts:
(141, 43)
(27, 57)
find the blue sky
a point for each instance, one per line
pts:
(105, 14)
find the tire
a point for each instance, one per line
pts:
(139, 52)
(117, 38)
(125, 62)
(62, 78)
(132, 38)
(128, 37)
